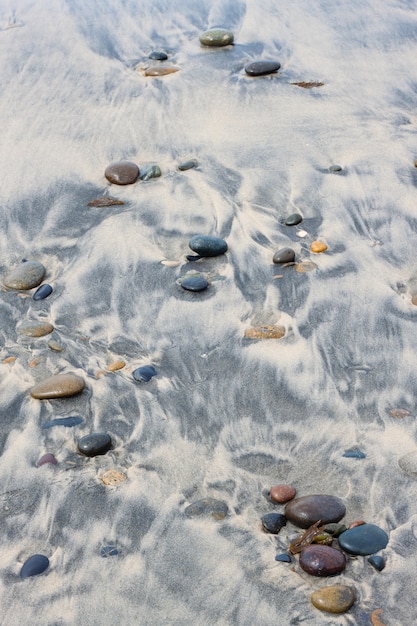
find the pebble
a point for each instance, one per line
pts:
(94, 444)
(163, 70)
(55, 346)
(308, 84)
(109, 551)
(260, 68)
(363, 540)
(68, 422)
(378, 562)
(58, 386)
(193, 257)
(285, 255)
(335, 529)
(408, 463)
(354, 453)
(35, 329)
(188, 165)
(273, 522)
(357, 522)
(205, 245)
(217, 37)
(105, 201)
(301, 233)
(26, 276)
(158, 55)
(322, 560)
(305, 266)
(122, 172)
(273, 331)
(399, 413)
(149, 171)
(335, 168)
(47, 458)
(113, 477)
(194, 283)
(307, 510)
(334, 599)
(282, 493)
(293, 219)
(115, 366)
(144, 373)
(207, 507)
(42, 292)
(317, 247)
(283, 558)
(34, 565)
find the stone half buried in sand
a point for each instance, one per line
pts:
(161, 70)
(95, 444)
(58, 386)
(272, 331)
(261, 68)
(26, 276)
(35, 328)
(216, 37)
(322, 561)
(122, 172)
(334, 599)
(34, 565)
(207, 507)
(307, 510)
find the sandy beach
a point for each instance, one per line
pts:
(225, 416)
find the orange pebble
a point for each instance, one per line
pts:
(117, 365)
(318, 246)
(34, 362)
(375, 618)
(414, 299)
(282, 493)
(9, 359)
(100, 373)
(358, 522)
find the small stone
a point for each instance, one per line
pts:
(408, 463)
(335, 529)
(293, 219)
(42, 292)
(273, 331)
(335, 168)
(399, 413)
(95, 444)
(158, 55)
(305, 266)
(260, 68)
(9, 359)
(68, 422)
(363, 540)
(273, 522)
(162, 70)
(354, 453)
(207, 507)
(26, 276)
(283, 558)
(149, 171)
(193, 257)
(122, 172)
(34, 565)
(47, 459)
(322, 561)
(105, 201)
(285, 255)
(107, 551)
(358, 522)
(414, 299)
(205, 245)
(217, 37)
(282, 493)
(55, 346)
(375, 619)
(317, 247)
(308, 85)
(301, 233)
(308, 510)
(35, 329)
(58, 386)
(188, 165)
(323, 538)
(112, 478)
(194, 283)
(334, 599)
(115, 366)
(378, 562)
(144, 374)
(169, 263)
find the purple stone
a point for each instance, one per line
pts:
(47, 458)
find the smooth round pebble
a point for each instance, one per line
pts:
(408, 463)
(378, 562)
(194, 283)
(122, 172)
(273, 331)
(273, 522)
(158, 55)
(58, 386)
(115, 366)
(206, 245)
(335, 168)
(334, 599)
(283, 558)
(112, 478)
(301, 233)
(55, 346)
(282, 493)
(285, 255)
(322, 560)
(25, 276)
(47, 459)
(363, 540)
(217, 37)
(144, 373)
(42, 292)
(188, 165)
(34, 565)
(107, 551)
(293, 219)
(94, 444)
(308, 510)
(35, 329)
(260, 68)
(207, 507)
(317, 247)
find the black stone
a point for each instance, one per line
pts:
(363, 540)
(285, 255)
(42, 292)
(378, 562)
(158, 55)
(193, 257)
(308, 510)
(187, 165)
(194, 283)
(144, 374)
(205, 245)
(284, 558)
(335, 168)
(34, 565)
(95, 444)
(293, 219)
(260, 68)
(273, 522)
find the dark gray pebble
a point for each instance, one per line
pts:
(144, 373)
(293, 219)
(188, 165)
(193, 257)
(34, 565)
(194, 283)
(285, 255)
(206, 245)
(354, 454)
(260, 68)
(95, 444)
(284, 558)
(273, 522)
(363, 540)
(149, 171)
(42, 292)
(378, 562)
(158, 55)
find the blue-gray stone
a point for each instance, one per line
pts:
(193, 257)
(293, 219)
(34, 565)
(363, 540)
(284, 558)
(194, 283)
(42, 292)
(68, 422)
(273, 522)
(158, 55)
(109, 551)
(144, 373)
(95, 444)
(205, 245)
(335, 168)
(378, 562)
(354, 454)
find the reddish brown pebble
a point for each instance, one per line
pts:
(47, 458)
(358, 522)
(282, 493)
(122, 172)
(398, 413)
(322, 561)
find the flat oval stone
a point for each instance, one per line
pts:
(144, 374)
(47, 458)
(354, 453)
(282, 493)
(305, 266)
(307, 510)
(58, 386)
(408, 463)
(122, 172)
(322, 560)
(293, 219)
(35, 329)
(283, 558)
(207, 507)
(55, 346)
(187, 165)
(378, 562)
(26, 276)
(194, 283)
(334, 599)
(42, 292)
(273, 331)
(162, 70)
(68, 422)
(95, 444)
(273, 522)
(335, 168)
(205, 245)
(217, 37)
(285, 255)
(399, 413)
(107, 551)
(260, 68)
(363, 540)
(34, 565)
(158, 55)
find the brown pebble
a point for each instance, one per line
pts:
(58, 386)
(105, 201)
(113, 478)
(35, 329)
(414, 299)
(9, 359)
(55, 346)
(358, 522)
(34, 362)
(117, 365)
(282, 493)
(375, 621)
(318, 246)
(100, 373)
(122, 172)
(334, 599)
(308, 85)
(265, 332)
(161, 71)
(319, 560)
(305, 266)
(399, 413)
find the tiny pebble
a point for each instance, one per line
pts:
(273, 522)
(158, 55)
(335, 168)
(194, 283)
(301, 233)
(116, 365)
(113, 477)
(162, 70)
(354, 453)
(273, 331)
(217, 37)
(284, 558)
(378, 562)
(305, 266)
(318, 246)
(188, 165)
(293, 219)
(282, 493)
(34, 565)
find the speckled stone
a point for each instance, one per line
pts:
(158, 55)
(112, 478)
(94, 444)
(285, 255)
(363, 540)
(207, 507)
(261, 68)
(293, 219)
(273, 522)
(35, 329)
(334, 599)
(217, 37)
(272, 331)
(58, 386)
(122, 172)
(378, 562)
(34, 565)
(322, 560)
(25, 276)
(307, 510)
(282, 493)
(42, 292)
(206, 245)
